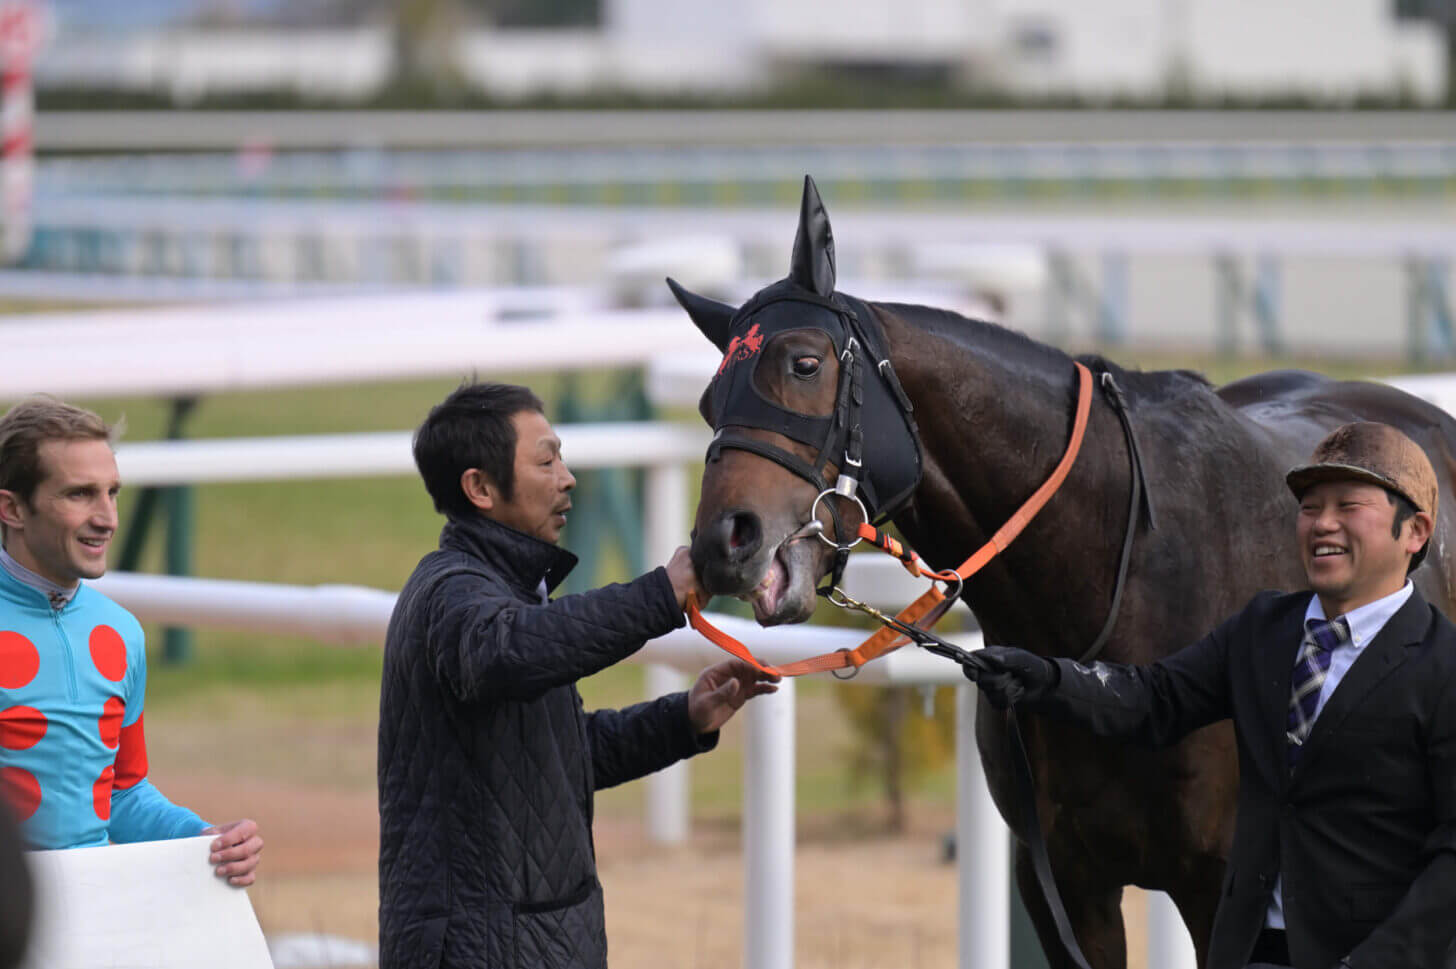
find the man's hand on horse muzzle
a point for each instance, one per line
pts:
(1008, 675)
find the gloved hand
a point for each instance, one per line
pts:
(1008, 675)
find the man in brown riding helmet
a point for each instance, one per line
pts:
(1344, 707)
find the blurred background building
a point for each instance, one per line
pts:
(1390, 50)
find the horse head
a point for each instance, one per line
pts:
(812, 433)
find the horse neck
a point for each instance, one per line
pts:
(995, 414)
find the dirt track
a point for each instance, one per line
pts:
(863, 901)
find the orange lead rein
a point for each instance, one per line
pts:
(887, 640)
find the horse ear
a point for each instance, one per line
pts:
(813, 262)
(711, 316)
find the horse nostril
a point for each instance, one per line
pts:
(743, 534)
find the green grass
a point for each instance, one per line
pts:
(373, 531)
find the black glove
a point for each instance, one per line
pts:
(1008, 675)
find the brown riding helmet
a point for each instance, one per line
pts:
(1378, 454)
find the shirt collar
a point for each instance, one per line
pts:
(1366, 621)
(57, 595)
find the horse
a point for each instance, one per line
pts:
(959, 420)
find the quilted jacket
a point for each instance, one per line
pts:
(487, 760)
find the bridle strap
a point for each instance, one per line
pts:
(888, 639)
(1138, 495)
(764, 449)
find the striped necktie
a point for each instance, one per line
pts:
(1310, 669)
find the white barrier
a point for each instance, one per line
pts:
(600, 445)
(356, 615)
(196, 350)
(155, 904)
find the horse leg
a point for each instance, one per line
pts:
(1094, 911)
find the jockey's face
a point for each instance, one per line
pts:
(63, 531)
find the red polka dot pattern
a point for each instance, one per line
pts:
(21, 727)
(21, 791)
(109, 726)
(101, 793)
(108, 652)
(19, 660)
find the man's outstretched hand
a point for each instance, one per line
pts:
(1008, 675)
(722, 689)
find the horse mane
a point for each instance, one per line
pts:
(1152, 386)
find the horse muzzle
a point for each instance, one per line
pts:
(732, 559)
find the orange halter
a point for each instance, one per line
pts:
(933, 604)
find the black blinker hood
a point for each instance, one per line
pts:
(869, 402)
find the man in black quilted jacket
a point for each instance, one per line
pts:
(487, 759)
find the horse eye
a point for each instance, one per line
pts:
(806, 366)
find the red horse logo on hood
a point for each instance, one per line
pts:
(741, 348)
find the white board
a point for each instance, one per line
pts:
(153, 905)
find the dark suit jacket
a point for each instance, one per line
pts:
(1364, 830)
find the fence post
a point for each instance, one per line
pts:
(180, 505)
(1228, 293)
(1061, 296)
(983, 853)
(1266, 302)
(768, 831)
(1428, 310)
(665, 497)
(1112, 305)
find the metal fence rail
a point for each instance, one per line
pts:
(732, 175)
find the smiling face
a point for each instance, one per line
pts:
(1351, 556)
(62, 532)
(541, 492)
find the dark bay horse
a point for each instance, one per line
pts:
(994, 410)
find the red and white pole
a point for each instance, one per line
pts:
(19, 34)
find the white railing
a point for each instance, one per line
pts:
(211, 349)
(598, 445)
